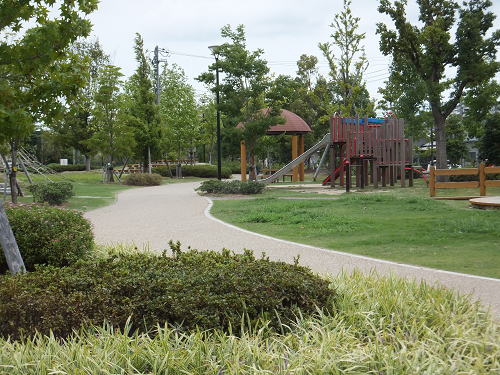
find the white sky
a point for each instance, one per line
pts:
(283, 29)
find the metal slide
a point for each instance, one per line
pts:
(294, 163)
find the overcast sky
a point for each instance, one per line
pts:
(284, 29)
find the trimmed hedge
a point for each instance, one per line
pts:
(474, 177)
(143, 179)
(54, 193)
(48, 235)
(67, 168)
(198, 170)
(192, 290)
(232, 187)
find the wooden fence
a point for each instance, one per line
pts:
(482, 184)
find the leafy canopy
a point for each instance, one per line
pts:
(38, 73)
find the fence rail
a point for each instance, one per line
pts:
(482, 184)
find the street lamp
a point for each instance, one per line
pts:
(214, 50)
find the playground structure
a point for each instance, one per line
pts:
(375, 149)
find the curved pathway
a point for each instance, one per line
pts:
(155, 215)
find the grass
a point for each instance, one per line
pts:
(400, 225)
(382, 325)
(89, 191)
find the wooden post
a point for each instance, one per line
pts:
(482, 179)
(243, 161)
(301, 151)
(9, 244)
(294, 156)
(432, 178)
(333, 165)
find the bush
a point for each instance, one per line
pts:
(232, 187)
(48, 235)
(474, 177)
(143, 179)
(54, 193)
(67, 168)
(234, 166)
(205, 290)
(198, 170)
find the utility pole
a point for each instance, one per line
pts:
(156, 63)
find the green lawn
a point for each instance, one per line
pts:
(90, 192)
(401, 225)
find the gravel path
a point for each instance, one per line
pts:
(155, 215)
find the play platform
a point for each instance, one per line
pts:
(485, 202)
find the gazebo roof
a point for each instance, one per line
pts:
(294, 124)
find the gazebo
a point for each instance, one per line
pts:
(294, 126)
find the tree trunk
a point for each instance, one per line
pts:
(87, 163)
(110, 170)
(13, 173)
(179, 165)
(9, 244)
(439, 127)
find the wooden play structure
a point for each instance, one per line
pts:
(375, 149)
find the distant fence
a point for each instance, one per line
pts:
(482, 184)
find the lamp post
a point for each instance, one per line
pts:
(216, 55)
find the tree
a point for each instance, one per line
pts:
(73, 128)
(430, 49)
(114, 138)
(242, 91)
(455, 139)
(144, 114)
(37, 74)
(489, 143)
(208, 125)
(179, 108)
(347, 70)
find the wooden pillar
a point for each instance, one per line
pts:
(432, 186)
(294, 156)
(482, 179)
(301, 151)
(333, 166)
(243, 161)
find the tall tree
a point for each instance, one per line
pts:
(429, 50)
(76, 126)
(144, 114)
(179, 109)
(347, 70)
(113, 137)
(242, 91)
(489, 143)
(37, 76)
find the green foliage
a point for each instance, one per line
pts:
(232, 187)
(489, 144)
(234, 166)
(66, 168)
(38, 73)
(347, 70)
(422, 54)
(54, 193)
(112, 137)
(190, 291)
(474, 177)
(380, 323)
(198, 170)
(143, 179)
(143, 113)
(242, 90)
(49, 235)
(179, 108)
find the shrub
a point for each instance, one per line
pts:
(67, 168)
(54, 193)
(49, 235)
(234, 166)
(143, 179)
(198, 170)
(232, 187)
(205, 290)
(474, 177)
